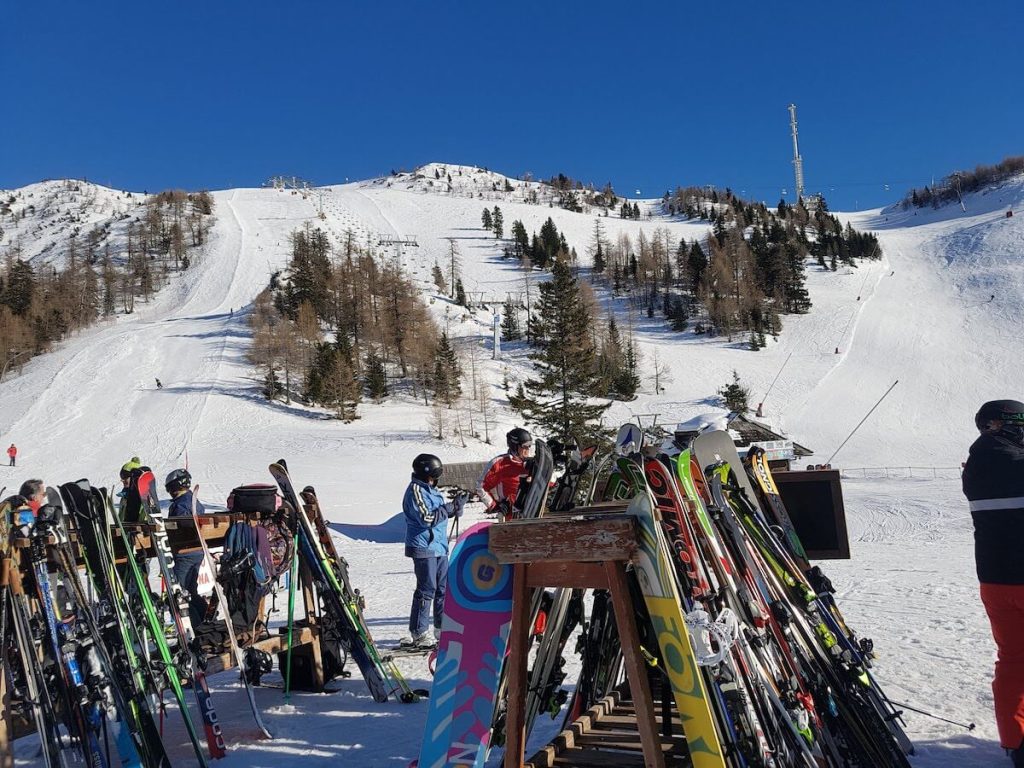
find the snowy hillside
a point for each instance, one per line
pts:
(39, 219)
(922, 314)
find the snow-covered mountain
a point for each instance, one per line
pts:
(940, 313)
(37, 221)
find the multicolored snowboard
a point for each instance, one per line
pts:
(657, 582)
(474, 636)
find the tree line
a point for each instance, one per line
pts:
(952, 187)
(42, 304)
(341, 325)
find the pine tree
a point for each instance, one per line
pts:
(735, 395)
(628, 380)
(376, 377)
(510, 330)
(21, 285)
(598, 248)
(520, 239)
(447, 372)
(438, 277)
(565, 360)
(486, 219)
(460, 293)
(499, 223)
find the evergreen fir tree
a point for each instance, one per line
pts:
(438, 275)
(565, 356)
(628, 380)
(376, 377)
(460, 293)
(486, 219)
(520, 239)
(21, 285)
(447, 372)
(498, 222)
(735, 395)
(696, 263)
(510, 330)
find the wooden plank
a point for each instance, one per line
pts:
(596, 538)
(571, 575)
(515, 722)
(610, 507)
(636, 671)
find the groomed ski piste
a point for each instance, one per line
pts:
(925, 316)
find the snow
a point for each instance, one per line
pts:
(922, 315)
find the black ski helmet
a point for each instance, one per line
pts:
(517, 438)
(177, 480)
(427, 466)
(1009, 411)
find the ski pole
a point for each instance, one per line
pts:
(968, 726)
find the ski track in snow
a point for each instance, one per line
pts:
(923, 316)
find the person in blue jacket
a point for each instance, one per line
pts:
(426, 542)
(186, 564)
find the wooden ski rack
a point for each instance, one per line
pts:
(588, 548)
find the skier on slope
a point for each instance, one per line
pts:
(426, 542)
(993, 482)
(500, 482)
(186, 564)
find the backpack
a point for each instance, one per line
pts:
(259, 499)
(245, 574)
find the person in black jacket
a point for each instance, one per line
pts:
(993, 482)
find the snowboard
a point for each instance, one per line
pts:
(657, 582)
(716, 445)
(532, 493)
(474, 635)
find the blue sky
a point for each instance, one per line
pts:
(645, 95)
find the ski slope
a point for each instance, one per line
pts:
(922, 315)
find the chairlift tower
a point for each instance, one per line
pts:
(798, 162)
(398, 242)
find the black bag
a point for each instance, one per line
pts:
(257, 499)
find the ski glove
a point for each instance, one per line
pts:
(458, 504)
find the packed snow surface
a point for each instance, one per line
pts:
(940, 312)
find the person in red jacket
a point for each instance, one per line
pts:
(993, 482)
(12, 452)
(500, 483)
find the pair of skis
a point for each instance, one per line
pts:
(343, 616)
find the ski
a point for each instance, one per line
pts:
(353, 633)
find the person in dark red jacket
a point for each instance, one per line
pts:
(993, 482)
(500, 482)
(12, 453)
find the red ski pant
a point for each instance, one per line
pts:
(1004, 604)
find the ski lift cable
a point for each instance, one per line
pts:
(890, 389)
(772, 385)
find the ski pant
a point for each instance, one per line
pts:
(431, 585)
(186, 572)
(1004, 604)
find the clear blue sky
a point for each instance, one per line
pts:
(646, 95)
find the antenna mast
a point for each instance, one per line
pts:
(798, 163)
